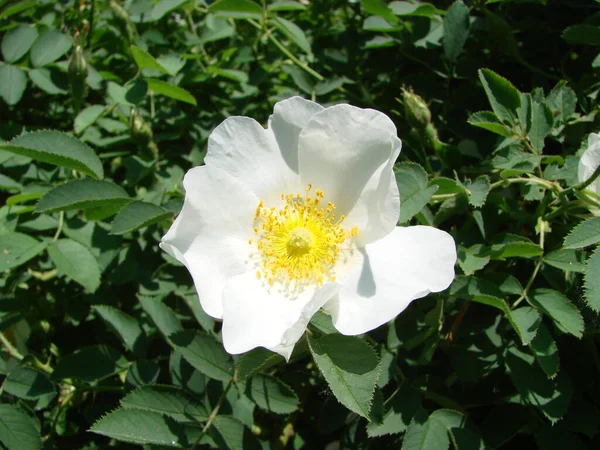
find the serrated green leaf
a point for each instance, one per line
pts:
(502, 95)
(350, 367)
(83, 194)
(230, 433)
(49, 80)
(401, 410)
(254, 361)
(566, 259)
(28, 383)
(559, 308)
(379, 8)
(424, 433)
(293, 32)
(17, 42)
(137, 215)
(172, 63)
(414, 193)
(236, 9)
(87, 117)
(271, 394)
(145, 60)
(166, 400)
(17, 249)
(469, 259)
(90, 364)
(17, 430)
(163, 317)
(204, 353)
(527, 320)
(12, 83)
(56, 148)
(76, 261)
(562, 100)
(591, 283)
(48, 47)
(163, 7)
(456, 29)
(583, 34)
(126, 326)
(478, 190)
(541, 124)
(584, 234)
(170, 90)
(488, 121)
(142, 427)
(545, 351)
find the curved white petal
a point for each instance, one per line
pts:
(289, 117)
(257, 315)
(385, 276)
(589, 162)
(210, 235)
(348, 153)
(250, 153)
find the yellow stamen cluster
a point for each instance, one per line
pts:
(299, 242)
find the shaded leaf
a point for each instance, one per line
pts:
(502, 95)
(17, 249)
(17, 430)
(559, 308)
(591, 282)
(584, 234)
(76, 261)
(166, 400)
(272, 394)
(17, 42)
(127, 327)
(137, 215)
(12, 83)
(90, 364)
(82, 194)
(48, 47)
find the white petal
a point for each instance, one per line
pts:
(348, 153)
(407, 264)
(256, 315)
(210, 235)
(589, 162)
(248, 152)
(289, 118)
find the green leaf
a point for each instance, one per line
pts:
(478, 190)
(136, 215)
(12, 84)
(562, 100)
(127, 327)
(18, 431)
(49, 80)
(488, 121)
(293, 33)
(550, 396)
(582, 34)
(141, 427)
(48, 47)
(350, 367)
(255, 361)
(163, 317)
(559, 308)
(456, 29)
(502, 95)
(379, 8)
(541, 124)
(172, 63)
(83, 194)
(204, 353)
(166, 400)
(17, 42)
(527, 321)
(404, 8)
(424, 433)
(545, 351)
(145, 60)
(77, 262)
(170, 90)
(231, 434)
(163, 7)
(236, 9)
(87, 117)
(591, 283)
(584, 234)
(565, 259)
(56, 148)
(17, 8)
(286, 5)
(469, 259)
(401, 410)
(28, 383)
(414, 193)
(90, 364)
(17, 249)
(272, 394)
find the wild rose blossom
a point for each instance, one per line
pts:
(589, 162)
(299, 216)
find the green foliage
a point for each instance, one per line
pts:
(104, 105)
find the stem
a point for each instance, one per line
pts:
(215, 411)
(586, 183)
(528, 286)
(61, 219)
(12, 350)
(547, 184)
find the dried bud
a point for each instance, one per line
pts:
(415, 109)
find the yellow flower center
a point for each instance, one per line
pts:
(301, 241)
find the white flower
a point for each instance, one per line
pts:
(589, 162)
(300, 216)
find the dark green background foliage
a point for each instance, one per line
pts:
(104, 106)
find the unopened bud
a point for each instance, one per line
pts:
(415, 109)
(78, 71)
(141, 133)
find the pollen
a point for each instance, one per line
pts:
(301, 241)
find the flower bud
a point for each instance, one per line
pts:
(77, 73)
(415, 109)
(141, 133)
